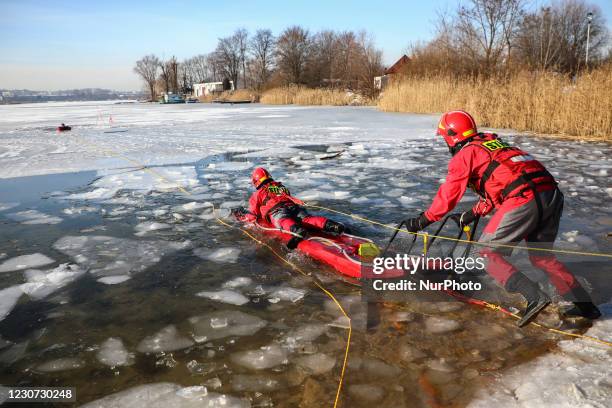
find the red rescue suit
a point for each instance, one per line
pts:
(515, 184)
(272, 201)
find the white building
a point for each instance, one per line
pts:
(209, 88)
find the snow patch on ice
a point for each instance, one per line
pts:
(24, 262)
(226, 296)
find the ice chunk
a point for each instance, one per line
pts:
(61, 364)
(438, 325)
(113, 353)
(224, 323)
(366, 392)
(225, 296)
(254, 383)
(304, 334)
(42, 283)
(288, 293)
(114, 280)
(7, 206)
(108, 256)
(167, 339)
(262, 358)
(191, 206)
(238, 282)
(149, 226)
(165, 395)
(221, 255)
(316, 363)
(24, 262)
(8, 299)
(34, 217)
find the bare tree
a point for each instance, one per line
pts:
(293, 51)
(228, 57)
(262, 48)
(324, 54)
(555, 37)
(242, 38)
(147, 68)
(370, 62)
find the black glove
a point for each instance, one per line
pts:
(417, 224)
(239, 211)
(465, 218)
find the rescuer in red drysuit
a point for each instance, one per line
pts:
(272, 201)
(527, 203)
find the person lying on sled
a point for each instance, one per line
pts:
(272, 201)
(526, 205)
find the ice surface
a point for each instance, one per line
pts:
(40, 284)
(148, 226)
(238, 282)
(34, 217)
(24, 262)
(262, 358)
(576, 376)
(165, 395)
(167, 339)
(224, 323)
(230, 166)
(8, 299)
(60, 364)
(109, 256)
(254, 383)
(114, 280)
(113, 353)
(221, 255)
(288, 294)
(316, 363)
(7, 206)
(226, 296)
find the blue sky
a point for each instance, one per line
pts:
(74, 44)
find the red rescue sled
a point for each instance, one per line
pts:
(349, 255)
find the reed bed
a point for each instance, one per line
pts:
(299, 95)
(543, 102)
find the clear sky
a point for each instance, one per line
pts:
(77, 44)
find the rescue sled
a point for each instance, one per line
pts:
(348, 255)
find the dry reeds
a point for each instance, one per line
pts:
(542, 102)
(298, 95)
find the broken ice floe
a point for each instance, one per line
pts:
(254, 383)
(42, 283)
(167, 339)
(114, 354)
(60, 364)
(224, 323)
(7, 206)
(144, 227)
(262, 358)
(34, 217)
(221, 255)
(164, 395)
(238, 282)
(107, 256)
(287, 293)
(8, 299)
(25, 262)
(114, 280)
(226, 296)
(316, 364)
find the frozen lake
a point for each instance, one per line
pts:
(115, 276)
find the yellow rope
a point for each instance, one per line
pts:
(426, 235)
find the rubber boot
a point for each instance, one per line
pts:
(536, 299)
(333, 227)
(583, 305)
(296, 239)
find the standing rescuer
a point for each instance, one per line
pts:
(527, 203)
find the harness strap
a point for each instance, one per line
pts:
(494, 164)
(527, 179)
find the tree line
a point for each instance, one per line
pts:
(487, 37)
(261, 60)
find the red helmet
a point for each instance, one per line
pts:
(260, 175)
(456, 127)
